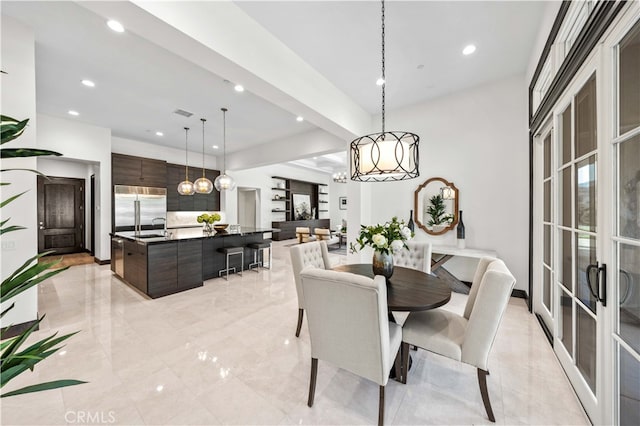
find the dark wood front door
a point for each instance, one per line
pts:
(60, 214)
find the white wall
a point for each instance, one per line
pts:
(260, 178)
(88, 144)
(18, 99)
(337, 190)
(477, 139)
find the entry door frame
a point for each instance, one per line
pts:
(79, 200)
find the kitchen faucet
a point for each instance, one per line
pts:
(164, 221)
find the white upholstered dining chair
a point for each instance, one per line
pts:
(467, 338)
(349, 327)
(311, 254)
(417, 255)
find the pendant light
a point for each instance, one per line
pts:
(384, 156)
(224, 182)
(186, 186)
(203, 185)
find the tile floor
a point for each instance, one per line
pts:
(226, 353)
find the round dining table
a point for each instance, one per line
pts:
(408, 289)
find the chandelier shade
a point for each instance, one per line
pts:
(224, 182)
(203, 185)
(186, 186)
(385, 156)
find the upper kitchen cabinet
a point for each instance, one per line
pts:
(196, 202)
(138, 171)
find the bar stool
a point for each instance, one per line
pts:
(230, 251)
(259, 248)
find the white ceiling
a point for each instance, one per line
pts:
(139, 84)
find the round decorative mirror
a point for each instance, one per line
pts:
(436, 206)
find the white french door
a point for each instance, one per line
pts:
(625, 332)
(586, 259)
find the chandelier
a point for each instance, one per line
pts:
(203, 185)
(224, 182)
(384, 156)
(340, 177)
(186, 186)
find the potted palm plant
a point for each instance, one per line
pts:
(15, 358)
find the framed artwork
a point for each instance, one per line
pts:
(302, 207)
(342, 203)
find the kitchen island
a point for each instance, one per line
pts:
(159, 265)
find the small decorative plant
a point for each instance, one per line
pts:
(208, 220)
(438, 211)
(386, 238)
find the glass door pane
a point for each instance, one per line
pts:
(626, 333)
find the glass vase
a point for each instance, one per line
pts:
(382, 264)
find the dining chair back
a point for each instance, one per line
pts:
(469, 337)
(417, 255)
(311, 254)
(349, 326)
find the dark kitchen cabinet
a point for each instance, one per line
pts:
(135, 264)
(163, 269)
(189, 264)
(138, 171)
(196, 202)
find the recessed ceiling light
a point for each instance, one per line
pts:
(315, 158)
(74, 113)
(88, 83)
(299, 119)
(159, 134)
(380, 81)
(239, 88)
(115, 26)
(468, 50)
(215, 147)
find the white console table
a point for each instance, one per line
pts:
(448, 252)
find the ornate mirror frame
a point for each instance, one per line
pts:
(417, 212)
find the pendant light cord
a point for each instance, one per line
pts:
(384, 82)
(203, 120)
(186, 155)
(224, 140)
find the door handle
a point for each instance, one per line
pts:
(600, 294)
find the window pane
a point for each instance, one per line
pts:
(547, 201)
(546, 288)
(547, 244)
(565, 197)
(630, 81)
(629, 389)
(586, 346)
(566, 255)
(566, 313)
(565, 132)
(585, 256)
(629, 288)
(630, 188)
(585, 139)
(547, 155)
(586, 195)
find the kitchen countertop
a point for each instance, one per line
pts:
(177, 234)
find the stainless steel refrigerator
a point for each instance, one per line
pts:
(139, 207)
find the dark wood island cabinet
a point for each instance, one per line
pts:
(161, 266)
